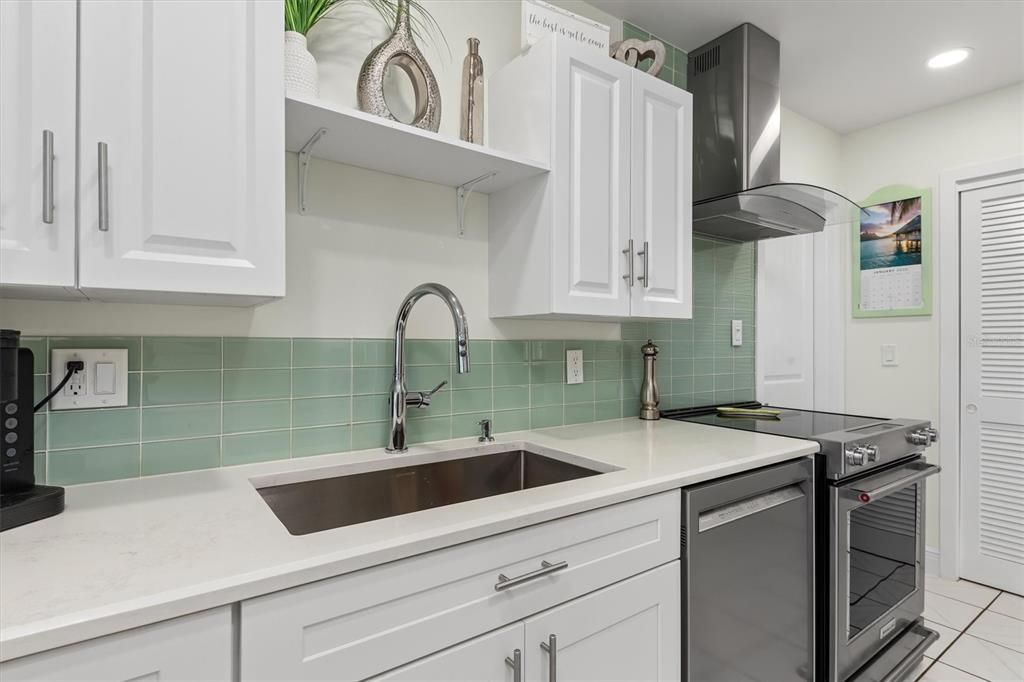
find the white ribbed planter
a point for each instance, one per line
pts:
(300, 73)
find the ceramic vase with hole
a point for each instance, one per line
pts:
(300, 74)
(400, 50)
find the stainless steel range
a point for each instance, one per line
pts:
(870, 535)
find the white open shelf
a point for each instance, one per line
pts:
(359, 139)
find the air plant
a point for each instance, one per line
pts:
(302, 15)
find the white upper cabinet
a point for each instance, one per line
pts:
(188, 109)
(660, 203)
(571, 244)
(591, 187)
(37, 144)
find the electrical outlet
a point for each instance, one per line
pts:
(574, 366)
(737, 332)
(103, 382)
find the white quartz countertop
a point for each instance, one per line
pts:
(129, 553)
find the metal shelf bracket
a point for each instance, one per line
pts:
(304, 156)
(462, 193)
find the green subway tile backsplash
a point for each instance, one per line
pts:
(201, 402)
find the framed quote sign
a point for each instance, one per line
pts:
(892, 254)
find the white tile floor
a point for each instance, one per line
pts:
(981, 633)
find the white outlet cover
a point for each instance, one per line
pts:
(574, 366)
(890, 356)
(737, 332)
(79, 393)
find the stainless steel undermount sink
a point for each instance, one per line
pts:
(324, 503)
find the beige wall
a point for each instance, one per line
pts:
(915, 150)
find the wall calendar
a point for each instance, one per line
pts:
(892, 254)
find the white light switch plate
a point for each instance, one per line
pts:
(574, 366)
(81, 391)
(890, 357)
(737, 332)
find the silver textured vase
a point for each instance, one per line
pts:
(400, 50)
(471, 128)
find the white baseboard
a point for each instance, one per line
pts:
(931, 561)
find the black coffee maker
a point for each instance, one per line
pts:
(21, 500)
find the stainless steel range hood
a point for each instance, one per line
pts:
(736, 141)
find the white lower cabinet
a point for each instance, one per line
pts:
(195, 647)
(594, 596)
(628, 631)
(366, 623)
(481, 659)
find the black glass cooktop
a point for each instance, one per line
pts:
(793, 423)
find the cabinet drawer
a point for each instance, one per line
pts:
(361, 624)
(195, 647)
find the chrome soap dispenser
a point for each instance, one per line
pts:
(649, 389)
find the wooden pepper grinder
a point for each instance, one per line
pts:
(649, 389)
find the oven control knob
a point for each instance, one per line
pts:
(919, 437)
(870, 452)
(855, 457)
(932, 433)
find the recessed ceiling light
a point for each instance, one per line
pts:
(949, 58)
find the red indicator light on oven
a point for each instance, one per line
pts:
(864, 497)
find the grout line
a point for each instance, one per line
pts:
(961, 634)
(291, 395)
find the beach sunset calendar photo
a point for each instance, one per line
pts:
(890, 256)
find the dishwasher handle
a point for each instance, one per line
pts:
(741, 509)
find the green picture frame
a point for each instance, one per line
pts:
(889, 195)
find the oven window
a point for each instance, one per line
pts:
(883, 556)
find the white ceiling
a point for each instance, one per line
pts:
(855, 63)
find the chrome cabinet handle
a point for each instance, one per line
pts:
(546, 567)
(550, 647)
(516, 663)
(48, 177)
(103, 184)
(645, 279)
(628, 252)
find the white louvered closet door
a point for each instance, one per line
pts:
(992, 385)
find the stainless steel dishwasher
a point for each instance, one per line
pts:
(748, 576)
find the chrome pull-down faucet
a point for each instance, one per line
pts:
(401, 399)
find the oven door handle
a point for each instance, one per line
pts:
(864, 494)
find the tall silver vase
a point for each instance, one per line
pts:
(471, 128)
(400, 50)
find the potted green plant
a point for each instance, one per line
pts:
(300, 69)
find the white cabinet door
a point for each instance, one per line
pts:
(481, 659)
(591, 175)
(629, 631)
(37, 100)
(661, 191)
(991, 385)
(196, 647)
(189, 102)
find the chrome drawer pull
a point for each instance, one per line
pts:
(48, 177)
(103, 185)
(551, 648)
(646, 279)
(628, 253)
(516, 663)
(504, 582)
